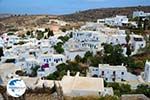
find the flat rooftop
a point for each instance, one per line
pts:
(107, 66)
(78, 83)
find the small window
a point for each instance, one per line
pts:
(106, 79)
(122, 73)
(61, 59)
(44, 60)
(113, 79)
(114, 73)
(141, 45)
(102, 72)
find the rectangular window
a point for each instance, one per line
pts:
(122, 73)
(114, 73)
(113, 79)
(102, 72)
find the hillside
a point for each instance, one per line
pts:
(94, 14)
(22, 22)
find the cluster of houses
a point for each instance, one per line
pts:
(120, 74)
(115, 21)
(93, 41)
(27, 53)
(31, 53)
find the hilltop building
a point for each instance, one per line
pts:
(140, 14)
(115, 21)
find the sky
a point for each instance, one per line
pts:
(58, 7)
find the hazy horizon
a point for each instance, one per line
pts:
(58, 7)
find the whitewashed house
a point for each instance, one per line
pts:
(137, 41)
(147, 72)
(116, 21)
(90, 40)
(70, 55)
(112, 73)
(45, 46)
(10, 40)
(72, 49)
(48, 63)
(30, 63)
(140, 14)
(51, 59)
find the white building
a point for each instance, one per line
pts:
(49, 63)
(115, 21)
(140, 14)
(70, 55)
(90, 40)
(82, 86)
(51, 59)
(137, 41)
(112, 73)
(72, 49)
(147, 72)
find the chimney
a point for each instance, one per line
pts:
(68, 73)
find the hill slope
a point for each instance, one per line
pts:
(94, 14)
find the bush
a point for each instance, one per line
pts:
(120, 89)
(10, 33)
(92, 98)
(143, 89)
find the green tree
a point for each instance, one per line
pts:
(139, 22)
(128, 52)
(62, 67)
(78, 58)
(59, 49)
(40, 35)
(50, 33)
(120, 89)
(143, 89)
(88, 54)
(113, 54)
(28, 33)
(64, 38)
(34, 71)
(63, 29)
(127, 37)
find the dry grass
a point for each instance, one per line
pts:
(38, 97)
(82, 98)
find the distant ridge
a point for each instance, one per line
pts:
(94, 14)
